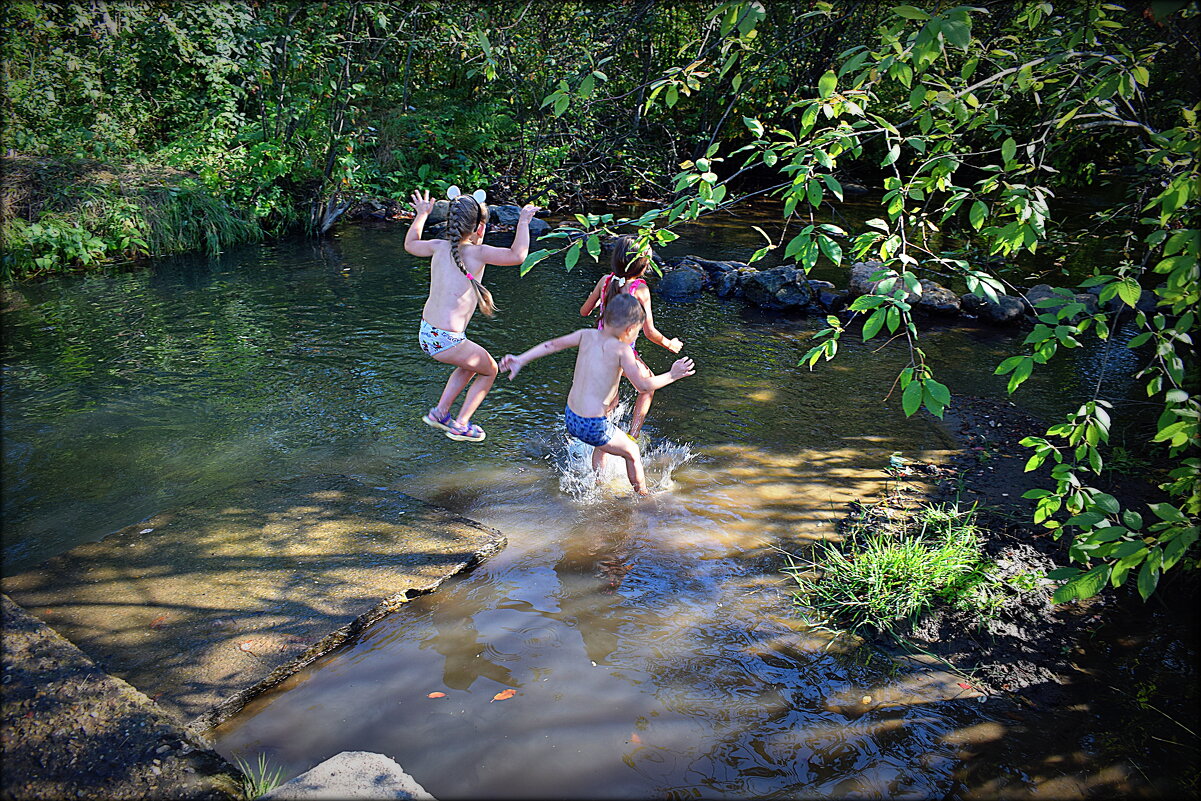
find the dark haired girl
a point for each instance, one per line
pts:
(625, 277)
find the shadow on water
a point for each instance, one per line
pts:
(652, 642)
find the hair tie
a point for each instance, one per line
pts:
(470, 277)
(621, 281)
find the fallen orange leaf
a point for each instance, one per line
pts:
(158, 622)
(504, 694)
(965, 686)
(436, 695)
(634, 738)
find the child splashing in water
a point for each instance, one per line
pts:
(604, 355)
(456, 290)
(628, 267)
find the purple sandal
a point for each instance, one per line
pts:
(435, 420)
(468, 433)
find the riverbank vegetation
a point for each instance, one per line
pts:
(259, 118)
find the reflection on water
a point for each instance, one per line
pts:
(651, 641)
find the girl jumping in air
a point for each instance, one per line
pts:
(628, 267)
(456, 290)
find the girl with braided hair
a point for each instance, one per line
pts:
(456, 290)
(627, 268)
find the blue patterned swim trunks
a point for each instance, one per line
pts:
(594, 431)
(435, 340)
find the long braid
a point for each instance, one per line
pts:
(465, 215)
(625, 265)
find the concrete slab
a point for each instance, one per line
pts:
(205, 607)
(70, 730)
(351, 774)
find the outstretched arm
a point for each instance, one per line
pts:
(513, 364)
(648, 326)
(682, 368)
(515, 253)
(592, 299)
(413, 242)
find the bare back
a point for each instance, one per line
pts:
(452, 299)
(597, 372)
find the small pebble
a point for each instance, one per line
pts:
(867, 699)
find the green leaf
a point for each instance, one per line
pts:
(909, 12)
(1167, 512)
(1130, 292)
(1009, 149)
(938, 391)
(831, 248)
(1083, 586)
(1148, 576)
(532, 259)
(813, 191)
(874, 324)
(573, 255)
(911, 398)
(826, 84)
(977, 214)
(594, 246)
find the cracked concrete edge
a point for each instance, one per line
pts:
(339, 637)
(28, 642)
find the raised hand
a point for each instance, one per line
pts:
(422, 205)
(527, 213)
(682, 368)
(673, 345)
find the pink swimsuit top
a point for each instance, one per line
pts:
(628, 289)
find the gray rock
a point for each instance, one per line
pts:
(438, 213)
(1005, 310)
(351, 774)
(502, 239)
(778, 288)
(937, 299)
(681, 283)
(715, 268)
(831, 300)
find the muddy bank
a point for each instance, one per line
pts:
(1112, 675)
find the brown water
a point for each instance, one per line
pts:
(651, 643)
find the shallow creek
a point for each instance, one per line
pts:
(652, 643)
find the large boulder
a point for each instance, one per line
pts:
(781, 287)
(681, 283)
(1005, 310)
(1041, 292)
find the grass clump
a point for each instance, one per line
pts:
(257, 779)
(891, 567)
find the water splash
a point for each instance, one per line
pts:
(660, 459)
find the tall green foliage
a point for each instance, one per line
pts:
(973, 127)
